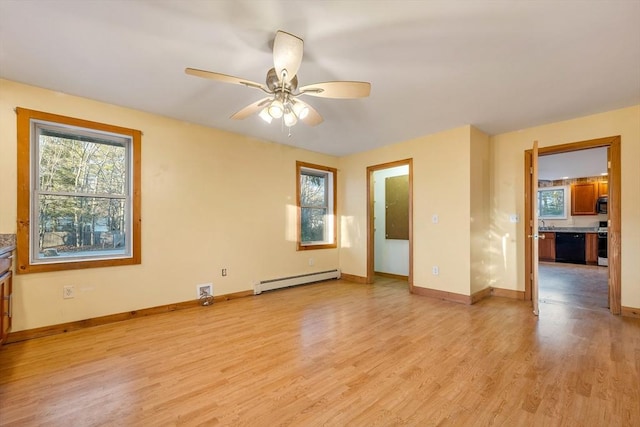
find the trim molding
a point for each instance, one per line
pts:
(443, 295)
(469, 299)
(370, 222)
(508, 293)
(46, 331)
(631, 312)
(391, 275)
(480, 295)
(353, 278)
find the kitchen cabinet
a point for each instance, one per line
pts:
(591, 248)
(5, 294)
(547, 247)
(583, 198)
(603, 189)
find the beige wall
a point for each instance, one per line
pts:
(480, 173)
(210, 200)
(441, 185)
(507, 161)
(201, 188)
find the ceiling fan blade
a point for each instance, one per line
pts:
(313, 118)
(250, 109)
(344, 90)
(223, 78)
(287, 54)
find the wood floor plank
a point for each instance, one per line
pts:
(333, 353)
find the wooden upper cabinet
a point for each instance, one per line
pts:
(583, 198)
(603, 189)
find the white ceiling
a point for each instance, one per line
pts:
(433, 65)
(575, 164)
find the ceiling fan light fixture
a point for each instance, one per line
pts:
(300, 109)
(282, 86)
(264, 115)
(290, 118)
(276, 109)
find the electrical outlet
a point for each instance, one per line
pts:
(435, 270)
(435, 218)
(224, 272)
(204, 289)
(68, 291)
(311, 261)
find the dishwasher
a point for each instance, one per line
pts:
(570, 248)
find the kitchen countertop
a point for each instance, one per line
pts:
(569, 229)
(7, 243)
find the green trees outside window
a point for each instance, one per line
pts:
(316, 198)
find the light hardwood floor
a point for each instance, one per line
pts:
(335, 354)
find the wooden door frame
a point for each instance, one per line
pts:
(613, 205)
(370, 218)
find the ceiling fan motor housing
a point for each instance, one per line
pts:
(274, 84)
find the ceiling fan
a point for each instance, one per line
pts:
(282, 86)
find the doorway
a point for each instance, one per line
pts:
(407, 165)
(613, 242)
(570, 270)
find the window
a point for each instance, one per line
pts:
(78, 193)
(316, 206)
(552, 203)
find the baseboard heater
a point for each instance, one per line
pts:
(302, 279)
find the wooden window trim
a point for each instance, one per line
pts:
(24, 117)
(301, 247)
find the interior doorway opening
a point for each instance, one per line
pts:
(389, 240)
(612, 144)
(572, 198)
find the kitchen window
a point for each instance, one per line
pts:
(78, 193)
(552, 202)
(316, 200)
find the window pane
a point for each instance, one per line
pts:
(74, 226)
(312, 224)
(551, 203)
(313, 190)
(72, 165)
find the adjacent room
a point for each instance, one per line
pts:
(243, 212)
(573, 196)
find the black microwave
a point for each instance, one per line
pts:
(601, 205)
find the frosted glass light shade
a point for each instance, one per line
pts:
(290, 119)
(264, 115)
(276, 109)
(300, 110)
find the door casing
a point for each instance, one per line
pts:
(370, 219)
(614, 215)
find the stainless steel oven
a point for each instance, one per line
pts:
(603, 244)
